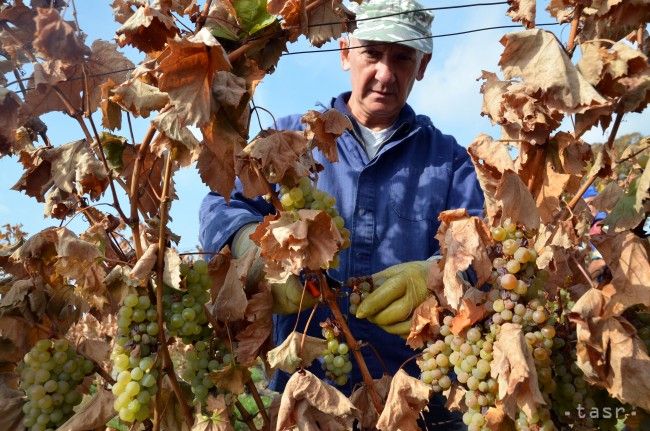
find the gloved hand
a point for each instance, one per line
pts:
(399, 289)
(286, 296)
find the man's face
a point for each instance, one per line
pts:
(382, 77)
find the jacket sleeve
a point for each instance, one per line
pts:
(465, 191)
(219, 221)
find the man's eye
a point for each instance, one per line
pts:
(373, 54)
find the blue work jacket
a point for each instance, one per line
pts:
(390, 204)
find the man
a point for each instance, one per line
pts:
(396, 172)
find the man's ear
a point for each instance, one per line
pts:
(345, 54)
(423, 66)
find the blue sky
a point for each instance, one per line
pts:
(449, 94)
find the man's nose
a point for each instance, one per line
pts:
(384, 72)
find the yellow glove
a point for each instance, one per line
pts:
(286, 296)
(399, 289)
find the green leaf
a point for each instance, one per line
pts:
(624, 215)
(253, 15)
(113, 148)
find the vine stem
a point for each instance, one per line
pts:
(594, 175)
(330, 299)
(571, 44)
(133, 195)
(200, 22)
(98, 368)
(167, 365)
(236, 54)
(246, 416)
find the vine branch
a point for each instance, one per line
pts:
(571, 44)
(167, 365)
(330, 299)
(133, 195)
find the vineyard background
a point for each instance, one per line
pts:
(449, 94)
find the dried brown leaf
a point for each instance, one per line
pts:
(139, 98)
(147, 29)
(186, 71)
(289, 355)
(455, 398)
(363, 402)
(142, 269)
(463, 242)
(11, 409)
(522, 11)
(174, 137)
(9, 105)
(230, 303)
(425, 322)
(324, 128)
(251, 339)
(516, 202)
(95, 349)
(290, 243)
(310, 404)
(216, 163)
(56, 39)
(514, 369)
(539, 59)
(628, 258)
(150, 177)
(231, 378)
(273, 156)
(468, 314)
(94, 414)
(406, 399)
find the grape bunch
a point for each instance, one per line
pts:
(184, 310)
(336, 358)
(133, 358)
(306, 196)
(49, 374)
(204, 358)
(359, 293)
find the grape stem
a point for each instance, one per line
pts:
(571, 44)
(167, 365)
(98, 368)
(133, 195)
(330, 299)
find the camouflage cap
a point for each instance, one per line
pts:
(402, 26)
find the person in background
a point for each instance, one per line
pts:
(396, 172)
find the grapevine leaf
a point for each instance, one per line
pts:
(562, 87)
(147, 29)
(497, 420)
(320, 24)
(491, 160)
(521, 115)
(187, 68)
(216, 163)
(218, 269)
(290, 243)
(406, 399)
(307, 400)
(218, 419)
(231, 378)
(181, 7)
(11, 410)
(223, 21)
(251, 339)
(289, 355)
(613, 19)
(95, 349)
(94, 414)
(324, 128)
(122, 9)
(230, 303)
(516, 201)
(9, 104)
(111, 112)
(139, 98)
(468, 314)
(455, 398)
(22, 336)
(628, 258)
(363, 401)
(277, 156)
(231, 94)
(624, 215)
(252, 15)
(463, 242)
(174, 137)
(522, 11)
(609, 352)
(514, 369)
(425, 323)
(56, 39)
